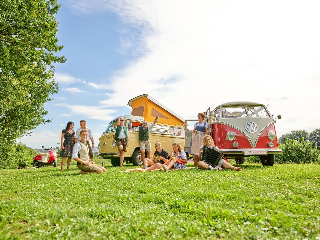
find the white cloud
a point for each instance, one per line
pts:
(99, 86)
(200, 54)
(72, 90)
(65, 78)
(47, 139)
(65, 115)
(92, 112)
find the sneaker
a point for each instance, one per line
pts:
(164, 168)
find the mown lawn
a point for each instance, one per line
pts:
(279, 202)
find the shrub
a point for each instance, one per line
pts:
(294, 151)
(16, 155)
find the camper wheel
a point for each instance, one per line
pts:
(136, 157)
(115, 161)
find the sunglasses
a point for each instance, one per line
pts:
(121, 120)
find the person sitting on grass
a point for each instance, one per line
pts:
(205, 163)
(82, 153)
(178, 158)
(159, 156)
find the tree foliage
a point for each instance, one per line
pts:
(295, 135)
(294, 151)
(28, 44)
(315, 137)
(17, 155)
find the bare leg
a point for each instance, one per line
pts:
(63, 162)
(150, 162)
(227, 165)
(203, 165)
(155, 166)
(143, 158)
(170, 164)
(68, 163)
(148, 154)
(121, 158)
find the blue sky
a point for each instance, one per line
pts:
(187, 54)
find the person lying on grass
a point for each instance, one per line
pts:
(82, 153)
(159, 156)
(205, 163)
(154, 167)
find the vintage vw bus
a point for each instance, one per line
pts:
(241, 129)
(163, 133)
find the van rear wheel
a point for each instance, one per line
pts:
(267, 160)
(136, 157)
(270, 159)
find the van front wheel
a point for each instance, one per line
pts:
(136, 157)
(115, 161)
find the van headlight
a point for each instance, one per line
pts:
(114, 144)
(231, 136)
(271, 135)
(271, 144)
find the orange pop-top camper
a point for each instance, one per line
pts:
(148, 108)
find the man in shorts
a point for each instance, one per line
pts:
(144, 140)
(82, 153)
(121, 138)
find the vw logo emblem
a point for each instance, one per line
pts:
(251, 127)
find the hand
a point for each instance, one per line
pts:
(87, 163)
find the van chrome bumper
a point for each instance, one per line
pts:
(251, 152)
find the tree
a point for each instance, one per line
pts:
(295, 135)
(27, 45)
(315, 137)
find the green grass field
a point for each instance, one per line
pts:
(279, 202)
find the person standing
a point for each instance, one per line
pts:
(67, 142)
(82, 153)
(83, 125)
(121, 138)
(200, 129)
(144, 140)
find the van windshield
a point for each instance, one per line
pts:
(112, 126)
(242, 111)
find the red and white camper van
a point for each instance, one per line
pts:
(241, 129)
